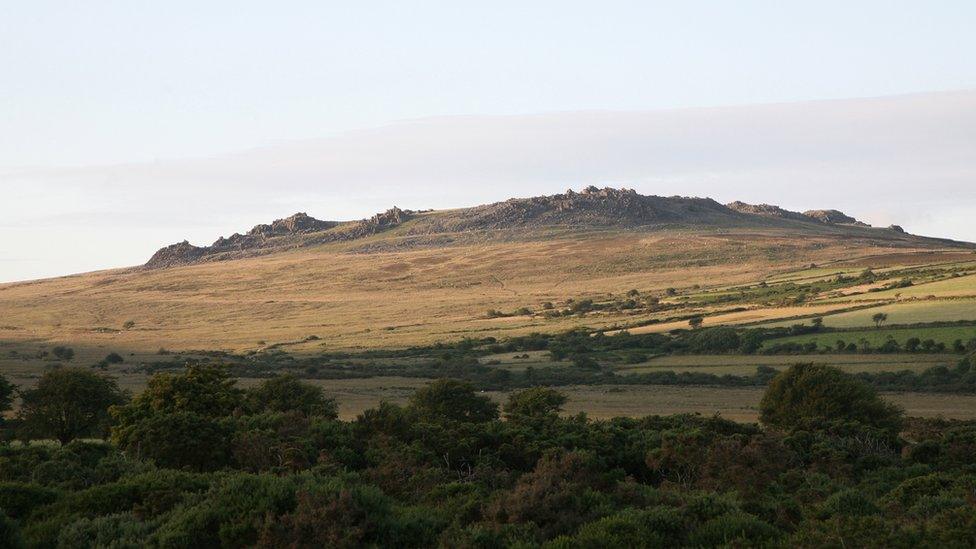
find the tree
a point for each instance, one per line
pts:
(696, 322)
(68, 403)
(286, 393)
(114, 358)
(879, 319)
(205, 390)
(807, 393)
(453, 400)
(537, 402)
(817, 322)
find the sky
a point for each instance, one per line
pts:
(128, 125)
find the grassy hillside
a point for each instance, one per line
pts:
(347, 298)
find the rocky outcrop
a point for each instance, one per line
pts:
(766, 210)
(297, 230)
(591, 208)
(833, 217)
(296, 224)
(830, 217)
(173, 255)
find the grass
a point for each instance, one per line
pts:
(387, 299)
(907, 313)
(962, 286)
(877, 337)
(746, 365)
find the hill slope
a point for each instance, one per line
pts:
(404, 278)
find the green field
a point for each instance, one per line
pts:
(913, 312)
(950, 287)
(877, 337)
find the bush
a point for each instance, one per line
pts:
(807, 393)
(180, 440)
(118, 531)
(286, 393)
(537, 402)
(18, 499)
(9, 533)
(734, 529)
(852, 503)
(453, 400)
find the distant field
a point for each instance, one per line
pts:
(911, 312)
(746, 365)
(963, 286)
(907, 313)
(877, 337)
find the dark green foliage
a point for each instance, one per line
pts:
(18, 499)
(453, 400)
(121, 531)
(7, 390)
(808, 393)
(9, 533)
(715, 340)
(534, 403)
(68, 403)
(445, 470)
(114, 358)
(178, 440)
(201, 389)
(287, 393)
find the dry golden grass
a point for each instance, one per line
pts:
(388, 299)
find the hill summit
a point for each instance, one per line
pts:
(589, 209)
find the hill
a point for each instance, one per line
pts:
(405, 277)
(590, 209)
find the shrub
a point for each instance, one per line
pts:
(453, 400)
(853, 503)
(809, 393)
(286, 393)
(18, 499)
(734, 529)
(180, 440)
(9, 533)
(537, 402)
(118, 531)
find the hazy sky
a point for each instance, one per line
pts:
(127, 125)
